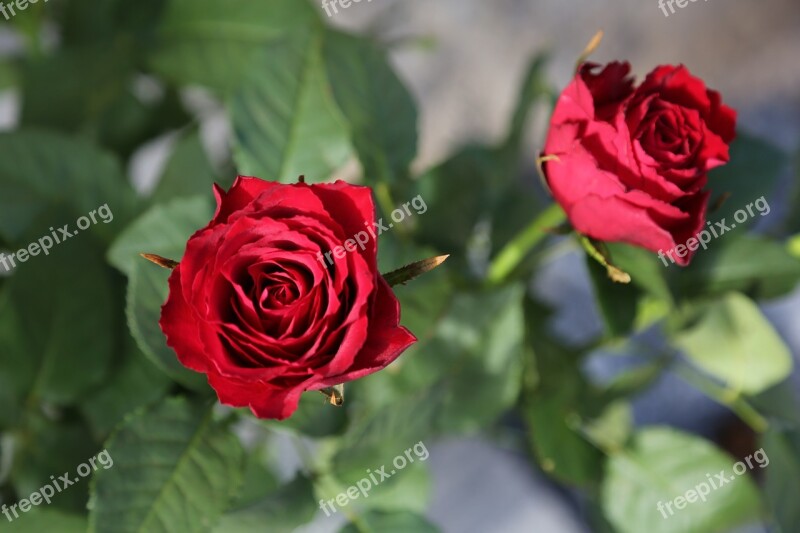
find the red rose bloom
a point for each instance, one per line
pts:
(252, 305)
(633, 162)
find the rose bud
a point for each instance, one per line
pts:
(630, 164)
(257, 306)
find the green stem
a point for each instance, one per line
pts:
(730, 398)
(515, 251)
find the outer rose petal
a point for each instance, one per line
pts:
(179, 324)
(243, 191)
(252, 305)
(264, 401)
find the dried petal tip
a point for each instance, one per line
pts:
(590, 49)
(403, 275)
(160, 261)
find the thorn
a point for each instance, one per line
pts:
(163, 262)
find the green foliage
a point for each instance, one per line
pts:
(391, 523)
(381, 115)
(188, 171)
(782, 477)
(663, 464)
(40, 170)
(160, 457)
(84, 364)
(755, 357)
(282, 509)
(48, 520)
(73, 357)
(214, 44)
(285, 121)
(756, 266)
(556, 402)
(752, 173)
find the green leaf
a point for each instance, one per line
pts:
(751, 173)
(612, 429)
(131, 121)
(58, 343)
(554, 416)
(92, 78)
(163, 230)
(557, 403)
(398, 522)
(147, 292)
(284, 510)
(87, 22)
(449, 191)
(756, 266)
(53, 448)
(258, 483)
(39, 170)
(215, 44)
(618, 302)
(410, 489)
(188, 171)
(44, 519)
(135, 383)
(780, 403)
(285, 123)
(481, 344)
(663, 464)
(378, 433)
(645, 270)
(735, 343)
(627, 307)
(315, 417)
(379, 109)
(782, 478)
(175, 469)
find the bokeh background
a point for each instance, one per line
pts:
(464, 61)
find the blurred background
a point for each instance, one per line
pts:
(464, 61)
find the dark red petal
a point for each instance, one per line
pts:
(385, 342)
(264, 400)
(243, 191)
(180, 325)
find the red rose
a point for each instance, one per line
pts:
(633, 162)
(252, 305)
